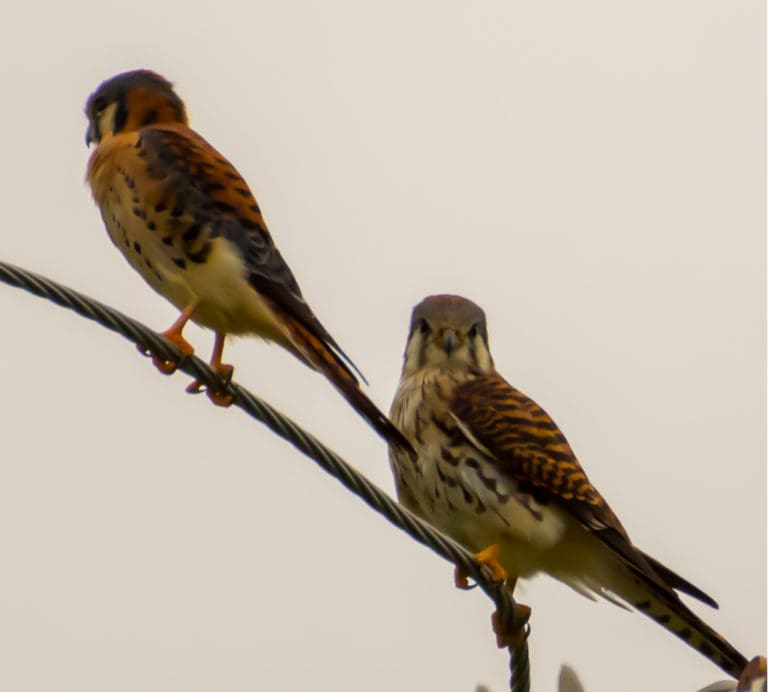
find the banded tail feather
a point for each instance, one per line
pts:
(328, 361)
(666, 608)
(679, 583)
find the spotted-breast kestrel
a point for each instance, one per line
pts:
(494, 472)
(187, 222)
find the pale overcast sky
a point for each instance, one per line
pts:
(591, 173)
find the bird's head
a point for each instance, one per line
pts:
(448, 333)
(130, 101)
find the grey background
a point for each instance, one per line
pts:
(591, 173)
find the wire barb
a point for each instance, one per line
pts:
(284, 427)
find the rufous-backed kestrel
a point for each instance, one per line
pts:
(187, 222)
(494, 472)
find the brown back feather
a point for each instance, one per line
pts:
(527, 445)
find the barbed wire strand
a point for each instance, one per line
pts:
(284, 427)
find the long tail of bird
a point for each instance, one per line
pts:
(325, 356)
(665, 607)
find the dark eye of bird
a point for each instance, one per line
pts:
(473, 331)
(98, 107)
(424, 326)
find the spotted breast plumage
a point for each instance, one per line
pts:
(495, 472)
(187, 222)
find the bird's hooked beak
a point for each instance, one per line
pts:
(92, 133)
(449, 341)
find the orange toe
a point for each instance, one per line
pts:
(220, 399)
(506, 639)
(225, 372)
(485, 558)
(195, 387)
(460, 579)
(489, 558)
(218, 396)
(185, 348)
(167, 367)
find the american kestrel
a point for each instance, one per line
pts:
(187, 222)
(494, 472)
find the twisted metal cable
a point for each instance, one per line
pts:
(328, 460)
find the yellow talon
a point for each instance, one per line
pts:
(217, 397)
(488, 558)
(511, 639)
(174, 336)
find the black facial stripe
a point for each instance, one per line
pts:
(121, 113)
(423, 352)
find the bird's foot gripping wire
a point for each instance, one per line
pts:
(217, 396)
(174, 335)
(168, 367)
(516, 637)
(488, 558)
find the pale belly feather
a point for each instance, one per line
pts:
(458, 489)
(226, 302)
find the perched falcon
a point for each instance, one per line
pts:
(494, 472)
(187, 222)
